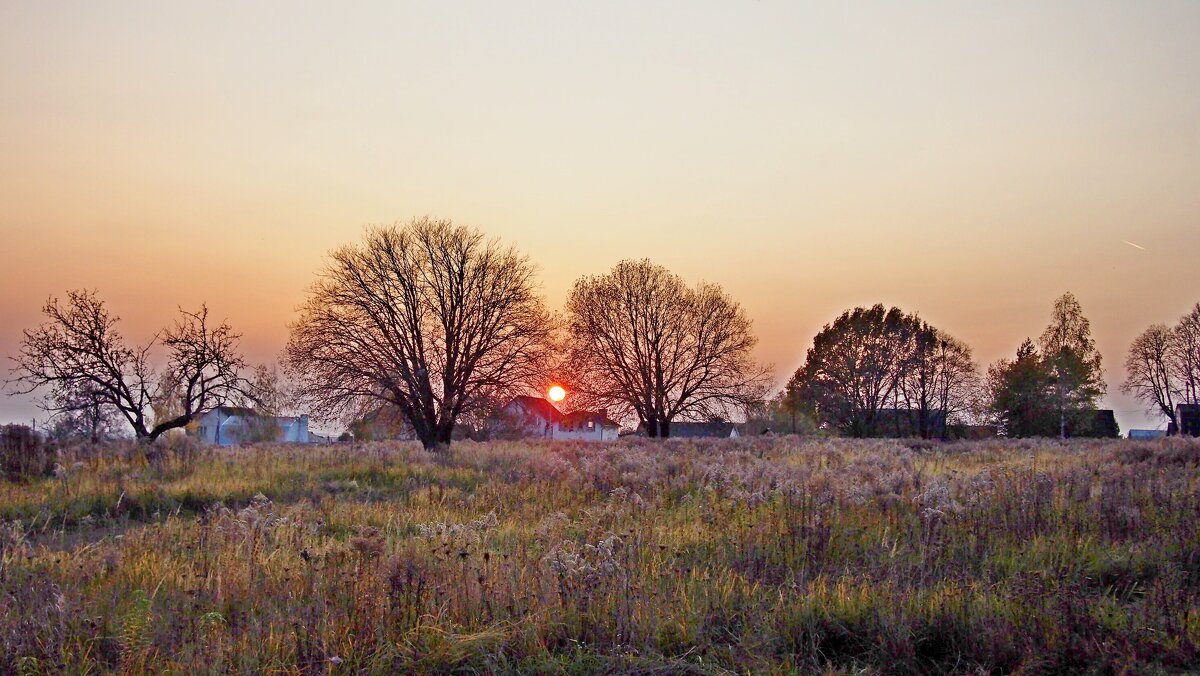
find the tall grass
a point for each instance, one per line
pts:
(764, 555)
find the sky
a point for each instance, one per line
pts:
(968, 161)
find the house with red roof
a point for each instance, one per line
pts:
(538, 418)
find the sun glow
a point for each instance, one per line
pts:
(556, 393)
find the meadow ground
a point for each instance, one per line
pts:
(753, 555)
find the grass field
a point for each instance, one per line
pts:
(755, 555)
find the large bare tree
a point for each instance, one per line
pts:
(1163, 365)
(1150, 372)
(1185, 356)
(878, 365)
(430, 317)
(643, 342)
(78, 348)
(854, 369)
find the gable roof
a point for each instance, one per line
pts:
(537, 406)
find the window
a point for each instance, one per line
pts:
(591, 424)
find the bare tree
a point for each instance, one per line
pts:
(855, 367)
(938, 381)
(1150, 372)
(269, 393)
(1185, 356)
(430, 317)
(641, 341)
(82, 414)
(79, 348)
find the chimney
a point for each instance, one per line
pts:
(603, 413)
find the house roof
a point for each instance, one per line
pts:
(584, 417)
(538, 406)
(233, 410)
(244, 412)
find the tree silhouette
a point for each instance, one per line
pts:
(430, 317)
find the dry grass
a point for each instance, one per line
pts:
(764, 555)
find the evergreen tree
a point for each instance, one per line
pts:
(1021, 396)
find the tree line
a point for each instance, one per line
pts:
(442, 324)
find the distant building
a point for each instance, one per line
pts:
(1188, 416)
(713, 429)
(1147, 435)
(1100, 423)
(232, 425)
(529, 417)
(537, 418)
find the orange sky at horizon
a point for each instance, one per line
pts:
(965, 161)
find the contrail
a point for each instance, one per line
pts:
(1136, 246)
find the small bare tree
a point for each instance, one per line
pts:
(81, 414)
(938, 381)
(268, 397)
(430, 317)
(80, 349)
(641, 341)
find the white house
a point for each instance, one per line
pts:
(535, 417)
(587, 426)
(232, 425)
(530, 417)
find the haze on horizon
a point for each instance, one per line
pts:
(967, 161)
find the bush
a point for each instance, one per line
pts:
(23, 454)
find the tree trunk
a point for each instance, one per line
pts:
(1062, 406)
(664, 428)
(445, 434)
(651, 425)
(94, 437)
(428, 440)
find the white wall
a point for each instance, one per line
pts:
(233, 429)
(582, 433)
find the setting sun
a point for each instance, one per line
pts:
(556, 393)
